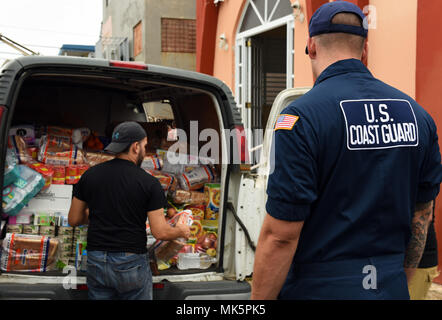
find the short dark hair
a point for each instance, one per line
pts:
(349, 41)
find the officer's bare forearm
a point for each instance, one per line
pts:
(419, 229)
(272, 263)
(277, 245)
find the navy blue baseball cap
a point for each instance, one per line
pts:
(321, 21)
(124, 135)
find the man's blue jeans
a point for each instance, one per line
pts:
(118, 276)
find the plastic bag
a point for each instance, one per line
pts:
(168, 182)
(31, 253)
(18, 194)
(21, 149)
(11, 169)
(152, 162)
(166, 250)
(196, 178)
(190, 197)
(46, 171)
(94, 158)
(59, 151)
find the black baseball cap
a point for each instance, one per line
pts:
(321, 21)
(124, 135)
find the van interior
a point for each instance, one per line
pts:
(100, 102)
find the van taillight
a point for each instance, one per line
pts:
(158, 285)
(2, 109)
(243, 150)
(126, 64)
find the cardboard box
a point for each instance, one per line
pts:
(57, 198)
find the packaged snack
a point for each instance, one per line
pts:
(59, 176)
(47, 231)
(66, 231)
(166, 250)
(82, 168)
(196, 231)
(58, 151)
(168, 182)
(196, 178)
(31, 229)
(213, 193)
(152, 162)
(34, 153)
(80, 246)
(14, 228)
(21, 218)
(11, 170)
(46, 171)
(94, 158)
(198, 211)
(27, 132)
(189, 197)
(45, 219)
(72, 174)
(28, 253)
(21, 149)
(17, 195)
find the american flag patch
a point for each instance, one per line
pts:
(286, 122)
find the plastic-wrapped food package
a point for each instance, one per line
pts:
(166, 250)
(189, 197)
(212, 191)
(46, 171)
(196, 178)
(21, 149)
(17, 195)
(152, 162)
(27, 132)
(94, 158)
(11, 168)
(168, 182)
(31, 253)
(57, 151)
(59, 175)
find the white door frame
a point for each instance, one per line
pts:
(243, 63)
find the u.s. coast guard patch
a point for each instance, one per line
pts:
(379, 124)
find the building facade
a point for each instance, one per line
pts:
(257, 48)
(149, 31)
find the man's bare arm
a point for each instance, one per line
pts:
(277, 245)
(419, 228)
(78, 213)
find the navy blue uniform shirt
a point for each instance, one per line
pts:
(352, 164)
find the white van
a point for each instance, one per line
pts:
(93, 93)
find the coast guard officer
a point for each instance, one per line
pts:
(357, 167)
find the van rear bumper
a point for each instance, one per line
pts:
(204, 290)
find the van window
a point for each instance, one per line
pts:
(158, 110)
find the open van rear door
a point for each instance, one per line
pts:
(252, 195)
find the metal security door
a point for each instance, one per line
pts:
(256, 87)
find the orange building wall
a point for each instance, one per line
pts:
(429, 81)
(392, 45)
(229, 17)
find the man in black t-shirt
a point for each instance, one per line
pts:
(120, 196)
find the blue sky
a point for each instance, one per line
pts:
(45, 25)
